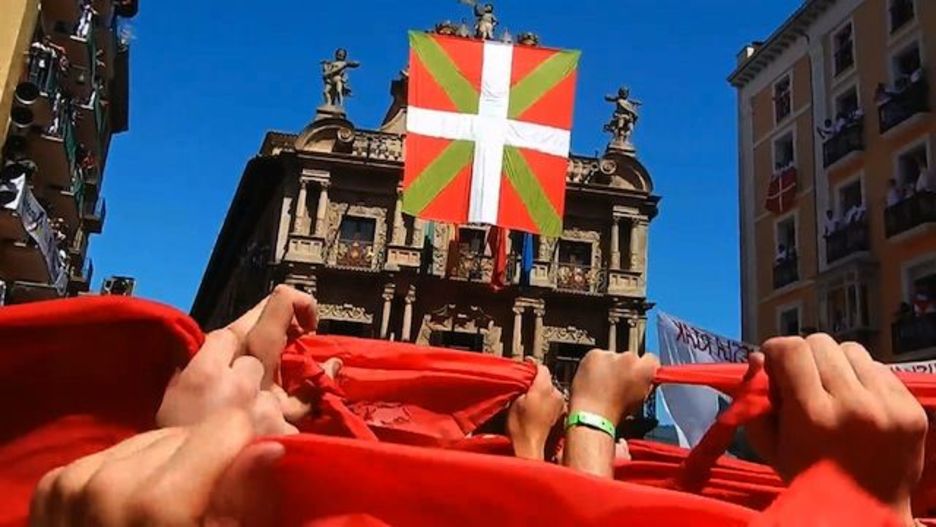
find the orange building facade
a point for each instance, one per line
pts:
(837, 176)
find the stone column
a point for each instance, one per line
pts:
(612, 333)
(638, 251)
(408, 314)
(538, 333)
(543, 255)
(399, 231)
(615, 244)
(302, 222)
(385, 314)
(320, 227)
(633, 337)
(641, 331)
(517, 348)
(419, 229)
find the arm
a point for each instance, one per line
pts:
(610, 385)
(533, 415)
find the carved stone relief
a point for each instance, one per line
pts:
(472, 320)
(345, 313)
(566, 335)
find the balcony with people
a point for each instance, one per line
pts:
(845, 134)
(911, 197)
(574, 269)
(786, 263)
(355, 245)
(848, 235)
(470, 256)
(910, 94)
(914, 329)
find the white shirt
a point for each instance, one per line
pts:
(831, 225)
(922, 182)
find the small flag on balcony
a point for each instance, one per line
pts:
(488, 132)
(781, 191)
(526, 259)
(497, 240)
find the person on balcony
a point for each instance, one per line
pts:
(882, 95)
(923, 303)
(855, 214)
(894, 196)
(831, 223)
(827, 130)
(924, 179)
(916, 76)
(841, 122)
(85, 19)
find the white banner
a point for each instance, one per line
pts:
(693, 408)
(928, 366)
(36, 222)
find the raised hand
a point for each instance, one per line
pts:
(533, 415)
(834, 402)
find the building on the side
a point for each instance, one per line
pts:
(321, 210)
(838, 176)
(64, 91)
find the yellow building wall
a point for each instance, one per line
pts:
(16, 30)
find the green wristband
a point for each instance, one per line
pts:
(593, 421)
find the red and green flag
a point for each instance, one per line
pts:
(488, 132)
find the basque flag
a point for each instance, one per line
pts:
(488, 132)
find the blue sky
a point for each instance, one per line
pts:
(210, 78)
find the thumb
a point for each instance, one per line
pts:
(331, 367)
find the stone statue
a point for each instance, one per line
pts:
(335, 76)
(485, 19)
(624, 119)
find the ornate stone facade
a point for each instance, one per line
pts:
(327, 201)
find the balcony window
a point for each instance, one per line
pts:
(346, 328)
(911, 200)
(910, 93)
(783, 99)
(563, 360)
(786, 264)
(457, 340)
(844, 308)
(915, 327)
(844, 50)
(356, 242)
(901, 12)
(790, 323)
(574, 271)
(847, 234)
(845, 133)
(470, 261)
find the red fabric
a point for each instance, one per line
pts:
(401, 392)
(497, 240)
(80, 375)
(843, 503)
(76, 377)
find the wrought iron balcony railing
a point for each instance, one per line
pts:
(916, 210)
(850, 139)
(850, 239)
(785, 272)
(904, 104)
(472, 266)
(573, 277)
(914, 333)
(355, 253)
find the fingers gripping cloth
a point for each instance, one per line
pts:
(78, 376)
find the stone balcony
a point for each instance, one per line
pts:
(355, 254)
